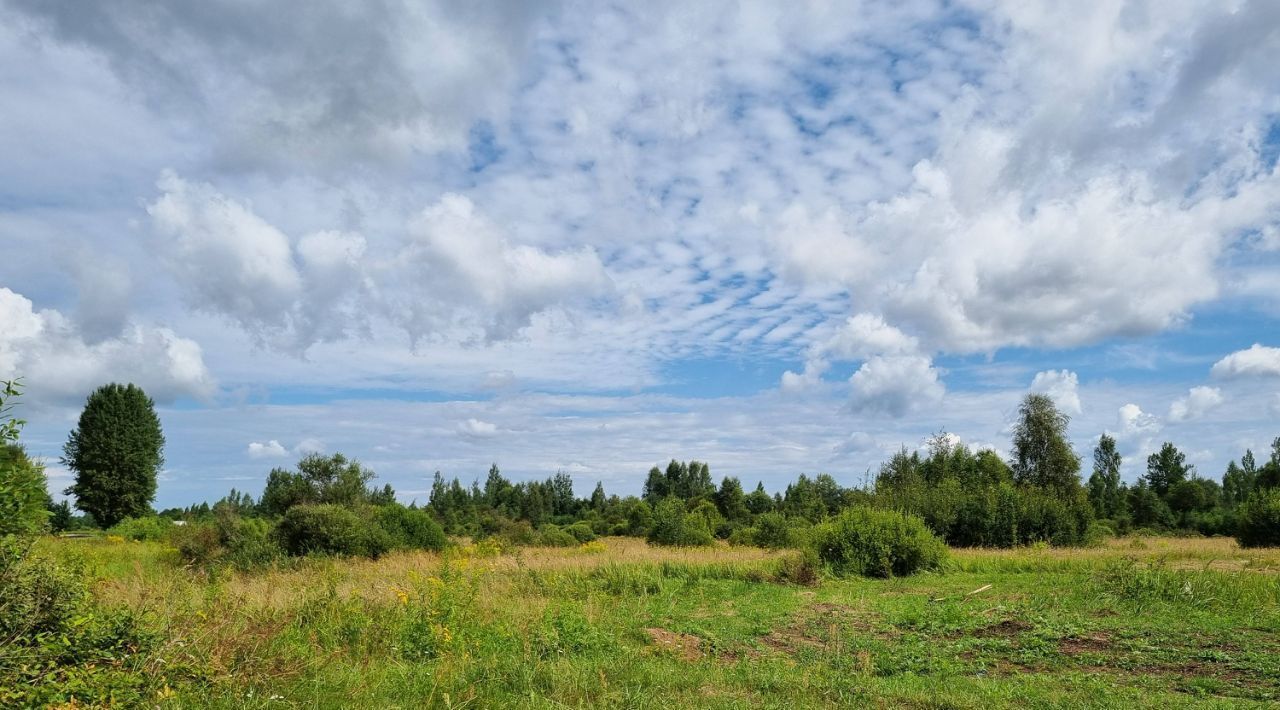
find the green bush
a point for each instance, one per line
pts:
(58, 647)
(877, 543)
(673, 526)
(23, 498)
(1258, 524)
(243, 543)
(411, 528)
(150, 528)
(581, 531)
(332, 530)
(552, 536)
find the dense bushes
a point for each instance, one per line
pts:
(57, 647)
(410, 528)
(150, 528)
(877, 543)
(23, 499)
(673, 525)
(1259, 521)
(330, 529)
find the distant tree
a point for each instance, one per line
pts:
(598, 498)
(1237, 484)
(1269, 474)
(1166, 468)
(656, 487)
(1147, 508)
(1105, 493)
(563, 502)
(321, 479)
(116, 451)
(1042, 456)
(731, 501)
(759, 501)
(61, 518)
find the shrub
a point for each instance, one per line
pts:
(243, 543)
(411, 528)
(150, 528)
(330, 529)
(1099, 531)
(22, 492)
(877, 543)
(552, 536)
(673, 526)
(801, 567)
(581, 531)
(1258, 524)
(59, 648)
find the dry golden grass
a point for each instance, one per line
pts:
(380, 580)
(1217, 553)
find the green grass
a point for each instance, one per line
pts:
(1147, 623)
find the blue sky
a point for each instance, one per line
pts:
(592, 237)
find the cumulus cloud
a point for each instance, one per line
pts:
(1257, 361)
(1062, 386)
(1134, 423)
(895, 385)
(1198, 402)
(453, 275)
(47, 350)
(473, 428)
(272, 89)
(457, 263)
(859, 337)
(270, 450)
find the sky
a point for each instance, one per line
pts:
(590, 237)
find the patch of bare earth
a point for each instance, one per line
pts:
(686, 646)
(818, 627)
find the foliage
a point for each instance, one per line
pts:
(410, 528)
(1167, 468)
(57, 646)
(330, 529)
(23, 496)
(1042, 456)
(319, 479)
(24, 500)
(675, 526)
(151, 527)
(1259, 521)
(877, 543)
(116, 451)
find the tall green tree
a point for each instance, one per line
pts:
(1104, 485)
(1167, 468)
(1042, 456)
(116, 451)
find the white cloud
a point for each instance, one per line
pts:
(895, 385)
(473, 428)
(1198, 402)
(1257, 361)
(472, 271)
(309, 446)
(1062, 386)
(1134, 423)
(270, 89)
(270, 450)
(56, 362)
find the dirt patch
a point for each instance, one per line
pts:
(1093, 643)
(686, 646)
(818, 627)
(1008, 628)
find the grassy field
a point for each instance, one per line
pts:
(1148, 622)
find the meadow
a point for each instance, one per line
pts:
(1134, 622)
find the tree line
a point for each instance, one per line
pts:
(967, 497)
